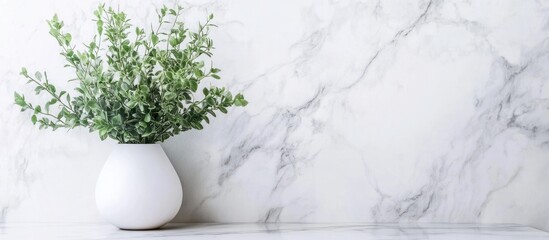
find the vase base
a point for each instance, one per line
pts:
(140, 229)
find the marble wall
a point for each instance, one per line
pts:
(360, 111)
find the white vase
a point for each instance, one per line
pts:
(138, 187)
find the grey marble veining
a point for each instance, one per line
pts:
(360, 111)
(277, 231)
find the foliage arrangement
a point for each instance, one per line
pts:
(134, 85)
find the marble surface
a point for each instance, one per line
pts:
(277, 231)
(360, 111)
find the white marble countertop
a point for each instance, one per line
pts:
(361, 231)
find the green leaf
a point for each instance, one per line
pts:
(211, 112)
(169, 75)
(38, 89)
(197, 125)
(24, 72)
(38, 75)
(103, 133)
(173, 42)
(99, 26)
(49, 103)
(116, 106)
(147, 132)
(80, 90)
(240, 101)
(144, 88)
(93, 105)
(211, 101)
(20, 100)
(51, 88)
(198, 73)
(223, 110)
(147, 117)
(170, 96)
(163, 10)
(125, 86)
(117, 120)
(154, 39)
(193, 85)
(34, 119)
(68, 38)
(131, 104)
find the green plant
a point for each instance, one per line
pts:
(135, 86)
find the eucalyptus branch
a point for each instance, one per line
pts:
(50, 115)
(173, 27)
(54, 95)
